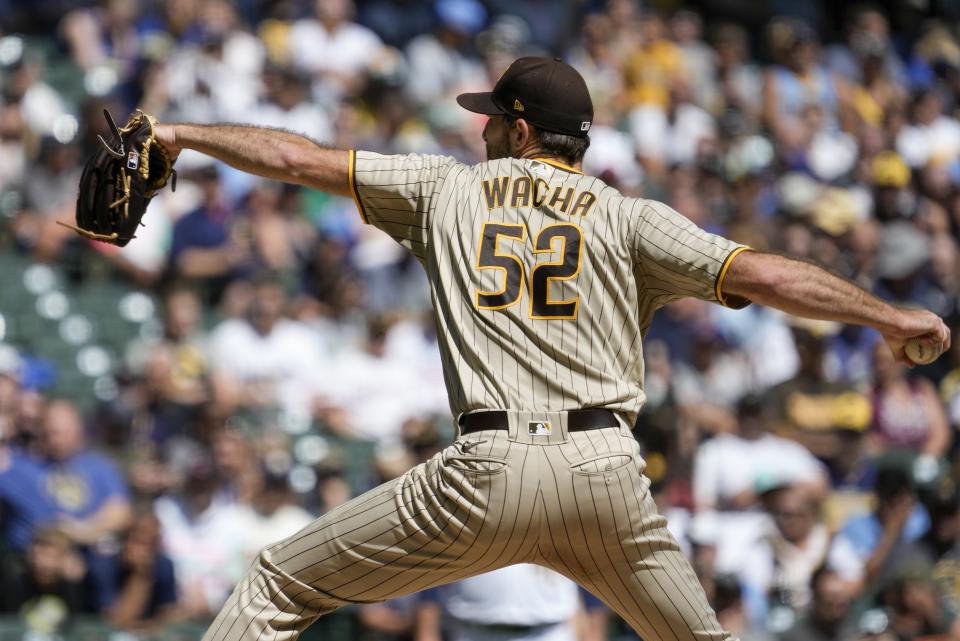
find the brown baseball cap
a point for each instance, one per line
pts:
(547, 93)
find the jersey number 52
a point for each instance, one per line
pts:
(564, 239)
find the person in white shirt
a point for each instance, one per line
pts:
(332, 47)
(726, 497)
(203, 538)
(287, 105)
(931, 135)
(782, 561)
(266, 360)
(374, 391)
(764, 460)
(273, 515)
(441, 63)
(517, 603)
(674, 135)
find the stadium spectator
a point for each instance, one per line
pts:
(852, 479)
(210, 245)
(931, 134)
(850, 354)
(939, 550)
(45, 589)
(599, 65)
(280, 238)
(88, 495)
(286, 104)
(442, 63)
(813, 410)
(907, 413)
(336, 51)
(867, 37)
(782, 561)
(767, 461)
(727, 498)
(26, 89)
(169, 384)
(273, 514)
(104, 35)
(390, 621)
(374, 391)
(916, 613)
(709, 385)
(64, 485)
(46, 199)
(235, 465)
(144, 593)
(903, 255)
(653, 65)
(741, 81)
(266, 360)
(732, 613)
(397, 21)
(594, 620)
(797, 81)
(204, 540)
(866, 549)
(827, 619)
(523, 602)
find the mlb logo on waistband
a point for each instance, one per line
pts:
(539, 428)
(133, 160)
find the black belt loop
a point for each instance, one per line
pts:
(577, 420)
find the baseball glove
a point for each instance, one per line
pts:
(120, 179)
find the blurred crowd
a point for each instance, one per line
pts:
(810, 478)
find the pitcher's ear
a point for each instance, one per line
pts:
(521, 132)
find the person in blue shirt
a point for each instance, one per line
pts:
(64, 485)
(143, 591)
(22, 503)
(866, 549)
(211, 244)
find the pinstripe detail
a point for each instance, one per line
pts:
(360, 501)
(598, 528)
(611, 568)
(438, 522)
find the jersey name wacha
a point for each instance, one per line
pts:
(522, 191)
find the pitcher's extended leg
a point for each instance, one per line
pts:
(435, 524)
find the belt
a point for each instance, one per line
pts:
(509, 628)
(577, 420)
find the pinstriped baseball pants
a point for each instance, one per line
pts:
(577, 503)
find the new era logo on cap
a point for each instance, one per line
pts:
(517, 105)
(585, 125)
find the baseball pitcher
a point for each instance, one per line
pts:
(543, 282)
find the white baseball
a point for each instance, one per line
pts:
(922, 350)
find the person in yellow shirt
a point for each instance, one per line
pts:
(651, 66)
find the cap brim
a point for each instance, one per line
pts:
(480, 103)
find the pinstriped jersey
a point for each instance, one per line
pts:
(543, 279)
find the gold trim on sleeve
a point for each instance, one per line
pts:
(352, 181)
(718, 286)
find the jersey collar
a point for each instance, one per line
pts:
(558, 165)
